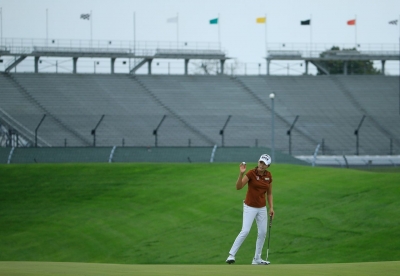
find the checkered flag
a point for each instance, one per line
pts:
(393, 22)
(85, 16)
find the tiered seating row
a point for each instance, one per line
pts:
(329, 108)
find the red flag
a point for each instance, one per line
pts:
(351, 22)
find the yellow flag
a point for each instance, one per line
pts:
(261, 20)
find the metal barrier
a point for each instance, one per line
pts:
(139, 154)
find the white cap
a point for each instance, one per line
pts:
(266, 159)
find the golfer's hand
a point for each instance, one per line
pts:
(242, 167)
(271, 213)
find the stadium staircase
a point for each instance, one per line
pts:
(46, 111)
(268, 108)
(23, 113)
(356, 103)
(172, 112)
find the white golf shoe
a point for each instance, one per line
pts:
(260, 262)
(230, 260)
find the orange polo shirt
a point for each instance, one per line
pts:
(258, 186)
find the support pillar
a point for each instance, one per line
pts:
(75, 61)
(345, 67)
(186, 66)
(383, 67)
(37, 64)
(306, 67)
(112, 65)
(149, 66)
(222, 66)
(268, 64)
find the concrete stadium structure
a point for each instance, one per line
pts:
(202, 111)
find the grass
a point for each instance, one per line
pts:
(76, 269)
(191, 214)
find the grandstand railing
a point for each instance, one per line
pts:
(322, 47)
(189, 52)
(72, 43)
(37, 49)
(353, 54)
(316, 47)
(20, 46)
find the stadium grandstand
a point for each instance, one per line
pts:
(328, 115)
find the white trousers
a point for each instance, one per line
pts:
(249, 214)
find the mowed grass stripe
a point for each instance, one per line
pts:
(77, 269)
(191, 214)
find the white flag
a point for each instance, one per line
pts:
(172, 20)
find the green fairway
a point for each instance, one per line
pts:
(191, 214)
(76, 269)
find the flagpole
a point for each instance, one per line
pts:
(219, 32)
(355, 29)
(134, 41)
(1, 27)
(310, 34)
(91, 29)
(177, 30)
(219, 35)
(266, 41)
(47, 26)
(134, 33)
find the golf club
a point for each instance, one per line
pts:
(269, 237)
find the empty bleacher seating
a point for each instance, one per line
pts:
(197, 107)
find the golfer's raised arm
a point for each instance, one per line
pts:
(242, 179)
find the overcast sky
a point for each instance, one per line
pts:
(240, 36)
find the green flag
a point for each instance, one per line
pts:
(214, 21)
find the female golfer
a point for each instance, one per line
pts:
(254, 206)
